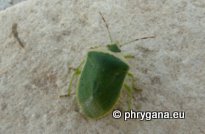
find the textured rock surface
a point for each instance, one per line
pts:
(8, 3)
(57, 34)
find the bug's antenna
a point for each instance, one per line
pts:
(143, 38)
(106, 27)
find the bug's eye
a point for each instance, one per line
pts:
(113, 48)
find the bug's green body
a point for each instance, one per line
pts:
(102, 78)
(100, 83)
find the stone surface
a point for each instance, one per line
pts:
(56, 34)
(8, 3)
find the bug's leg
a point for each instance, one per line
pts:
(129, 93)
(130, 89)
(94, 47)
(76, 73)
(129, 56)
(133, 82)
(129, 74)
(70, 85)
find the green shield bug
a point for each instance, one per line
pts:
(102, 76)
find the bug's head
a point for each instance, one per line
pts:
(114, 47)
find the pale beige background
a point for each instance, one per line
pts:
(58, 33)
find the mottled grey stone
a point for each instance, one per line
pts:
(57, 34)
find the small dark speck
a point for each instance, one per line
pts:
(76, 109)
(66, 33)
(145, 70)
(3, 106)
(11, 2)
(155, 80)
